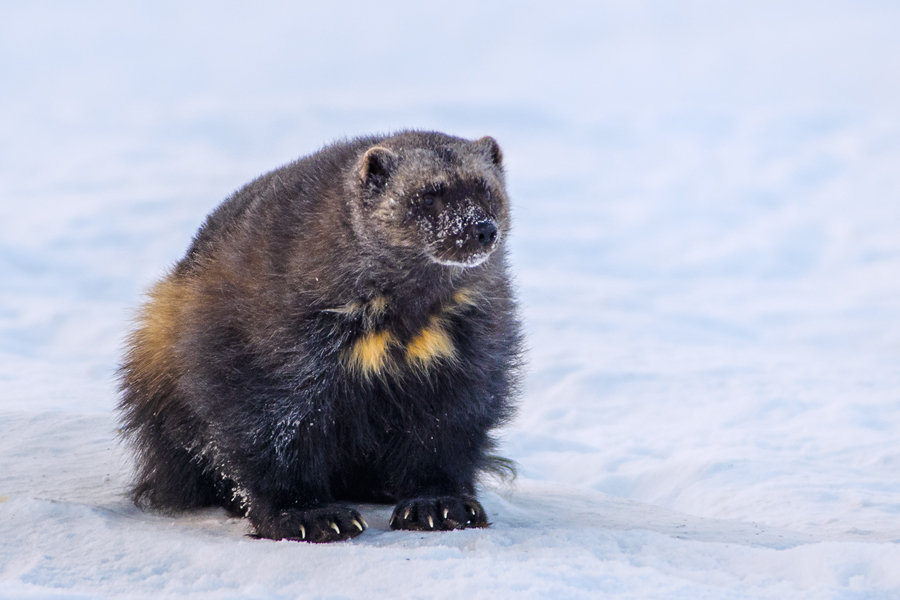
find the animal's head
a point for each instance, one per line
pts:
(440, 196)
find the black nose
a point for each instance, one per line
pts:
(486, 232)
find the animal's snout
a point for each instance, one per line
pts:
(485, 232)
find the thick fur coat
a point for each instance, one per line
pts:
(342, 328)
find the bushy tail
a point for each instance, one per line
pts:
(500, 467)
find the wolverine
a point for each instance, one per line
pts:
(342, 329)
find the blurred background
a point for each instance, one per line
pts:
(705, 200)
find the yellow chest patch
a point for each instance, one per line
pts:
(463, 298)
(430, 345)
(379, 352)
(371, 354)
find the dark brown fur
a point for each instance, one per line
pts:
(341, 328)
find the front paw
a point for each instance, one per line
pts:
(442, 513)
(329, 523)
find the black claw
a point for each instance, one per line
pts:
(438, 514)
(326, 524)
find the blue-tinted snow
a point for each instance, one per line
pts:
(707, 245)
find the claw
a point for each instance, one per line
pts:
(471, 510)
(446, 512)
(302, 532)
(406, 513)
(430, 522)
(358, 525)
(363, 521)
(337, 529)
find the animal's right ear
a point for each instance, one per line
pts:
(377, 164)
(491, 148)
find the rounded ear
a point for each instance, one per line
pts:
(377, 164)
(491, 148)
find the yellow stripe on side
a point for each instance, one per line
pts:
(151, 346)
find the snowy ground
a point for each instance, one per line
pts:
(707, 246)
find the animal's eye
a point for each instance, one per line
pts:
(487, 189)
(431, 194)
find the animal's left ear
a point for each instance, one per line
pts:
(377, 164)
(491, 149)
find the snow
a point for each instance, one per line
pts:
(705, 241)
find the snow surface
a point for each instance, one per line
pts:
(707, 247)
